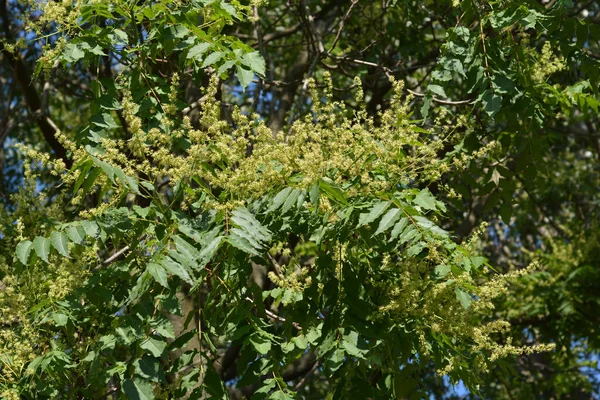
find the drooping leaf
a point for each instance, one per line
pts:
(149, 368)
(409, 233)
(437, 89)
(212, 58)
(442, 270)
(463, 297)
(243, 219)
(23, 250)
(255, 62)
(388, 220)
(60, 242)
(291, 200)
(73, 52)
(41, 246)
(76, 234)
(158, 273)
(430, 226)
(154, 346)
(375, 212)
(241, 243)
(491, 103)
(245, 76)
(332, 190)
(196, 52)
(261, 344)
(279, 199)
(91, 228)
(138, 389)
(209, 251)
(399, 228)
(425, 200)
(176, 269)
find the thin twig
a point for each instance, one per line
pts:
(194, 105)
(305, 378)
(115, 256)
(438, 100)
(261, 49)
(339, 32)
(274, 316)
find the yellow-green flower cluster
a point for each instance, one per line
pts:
(547, 64)
(249, 160)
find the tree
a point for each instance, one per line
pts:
(307, 199)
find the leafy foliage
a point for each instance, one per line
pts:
(318, 238)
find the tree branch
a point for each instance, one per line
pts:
(32, 98)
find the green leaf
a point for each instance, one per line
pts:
(138, 389)
(388, 220)
(76, 234)
(120, 37)
(239, 233)
(90, 180)
(23, 250)
(332, 190)
(212, 58)
(415, 249)
(291, 200)
(491, 103)
(261, 344)
(142, 212)
(279, 199)
(437, 89)
(91, 228)
(477, 261)
(430, 226)
(208, 252)
(425, 200)
(154, 346)
(280, 395)
(225, 66)
(314, 194)
(158, 273)
(266, 387)
(301, 342)
(60, 242)
(352, 349)
(198, 50)
(42, 247)
(255, 62)
(60, 319)
(106, 168)
(164, 328)
(104, 120)
(83, 173)
(463, 297)
(427, 101)
(149, 368)
(243, 219)
(375, 212)
(398, 228)
(241, 243)
(245, 76)
(442, 270)
(229, 9)
(187, 250)
(176, 269)
(72, 52)
(410, 233)
(107, 342)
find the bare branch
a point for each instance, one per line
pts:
(339, 32)
(441, 101)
